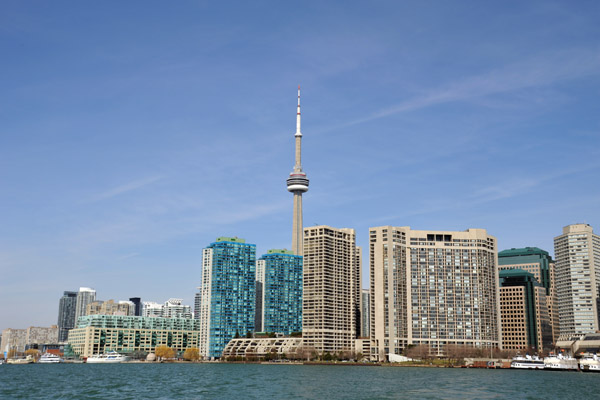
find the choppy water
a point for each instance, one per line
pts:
(232, 381)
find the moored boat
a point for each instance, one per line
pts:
(527, 362)
(589, 363)
(24, 360)
(108, 358)
(561, 363)
(49, 358)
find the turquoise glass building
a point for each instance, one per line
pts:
(279, 292)
(227, 294)
(531, 259)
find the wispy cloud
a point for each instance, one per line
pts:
(128, 187)
(542, 70)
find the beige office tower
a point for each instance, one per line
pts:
(577, 253)
(432, 288)
(331, 289)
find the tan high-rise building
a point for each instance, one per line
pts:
(432, 288)
(577, 253)
(539, 263)
(524, 315)
(331, 289)
(110, 308)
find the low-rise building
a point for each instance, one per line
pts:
(98, 334)
(260, 348)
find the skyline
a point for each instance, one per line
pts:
(133, 136)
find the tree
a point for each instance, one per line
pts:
(164, 352)
(32, 352)
(192, 354)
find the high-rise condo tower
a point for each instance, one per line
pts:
(297, 183)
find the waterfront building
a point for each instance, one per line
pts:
(227, 303)
(172, 308)
(297, 183)
(365, 313)
(540, 264)
(99, 334)
(13, 339)
(261, 348)
(84, 297)
(331, 289)
(110, 308)
(66, 314)
(279, 292)
(577, 253)
(41, 335)
(524, 313)
(137, 302)
(432, 288)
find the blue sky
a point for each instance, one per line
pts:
(135, 133)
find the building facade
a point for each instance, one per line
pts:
(261, 348)
(137, 302)
(539, 263)
(66, 314)
(577, 253)
(110, 307)
(524, 313)
(432, 288)
(279, 292)
(365, 313)
(85, 296)
(228, 294)
(172, 308)
(13, 339)
(99, 334)
(331, 289)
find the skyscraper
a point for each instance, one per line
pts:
(279, 292)
(227, 302)
(297, 183)
(524, 313)
(432, 288)
(66, 314)
(137, 302)
(577, 253)
(331, 289)
(84, 297)
(540, 264)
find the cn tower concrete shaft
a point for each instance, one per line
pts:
(297, 183)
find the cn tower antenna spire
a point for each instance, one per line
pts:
(297, 183)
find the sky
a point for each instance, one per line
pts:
(133, 134)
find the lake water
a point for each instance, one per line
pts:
(252, 381)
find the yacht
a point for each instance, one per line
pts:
(590, 363)
(108, 358)
(49, 358)
(561, 363)
(527, 362)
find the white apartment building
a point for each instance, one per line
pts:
(577, 254)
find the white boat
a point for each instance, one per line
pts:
(49, 358)
(561, 363)
(108, 358)
(527, 362)
(590, 363)
(27, 360)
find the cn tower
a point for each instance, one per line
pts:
(297, 183)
